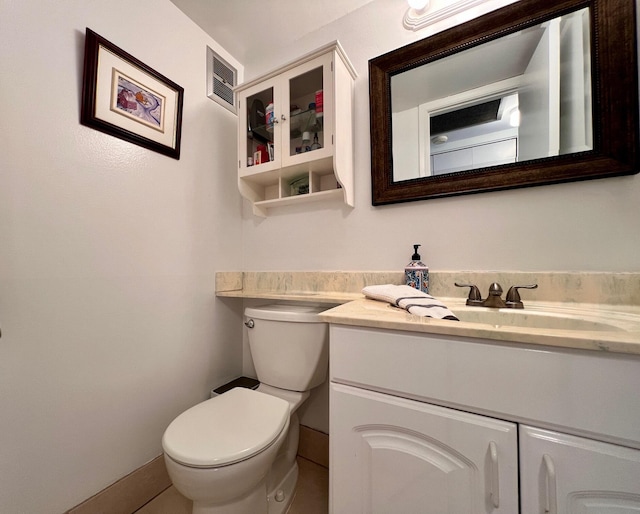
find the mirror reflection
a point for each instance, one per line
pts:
(520, 97)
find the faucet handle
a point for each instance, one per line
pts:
(475, 298)
(495, 289)
(513, 297)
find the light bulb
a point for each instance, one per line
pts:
(514, 118)
(418, 5)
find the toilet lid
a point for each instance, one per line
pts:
(226, 429)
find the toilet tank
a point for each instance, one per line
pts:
(289, 345)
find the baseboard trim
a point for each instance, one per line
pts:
(130, 492)
(314, 446)
(145, 483)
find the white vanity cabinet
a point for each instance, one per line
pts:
(295, 132)
(438, 424)
(402, 456)
(561, 473)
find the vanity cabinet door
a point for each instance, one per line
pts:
(394, 455)
(563, 474)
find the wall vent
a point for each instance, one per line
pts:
(221, 78)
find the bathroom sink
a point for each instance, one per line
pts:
(531, 319)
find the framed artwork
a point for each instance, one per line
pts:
(125, 98)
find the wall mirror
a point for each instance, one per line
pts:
(538, 92)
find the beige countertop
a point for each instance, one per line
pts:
(610, 302)
(623, 338)
(329, 297)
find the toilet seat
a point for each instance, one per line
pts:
(226, 429)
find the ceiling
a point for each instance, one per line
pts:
(466, 70)
(245, 26)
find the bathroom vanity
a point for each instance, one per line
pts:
(509, 410)
(438, 422)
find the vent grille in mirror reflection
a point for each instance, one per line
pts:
(466, 117)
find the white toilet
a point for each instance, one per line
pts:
(236, 453)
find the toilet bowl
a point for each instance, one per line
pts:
(236, 453)
(219, 452)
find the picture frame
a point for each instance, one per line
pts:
(127, 99)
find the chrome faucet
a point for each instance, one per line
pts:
(494, 299)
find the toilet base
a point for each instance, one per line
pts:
(281, 483)
(262, 484)
(239, 488)
(255, 502)
(283, 476)
(281, 497)
(278, 500)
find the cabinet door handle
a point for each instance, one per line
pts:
(495, 475)
(552, 494)
(283, 117)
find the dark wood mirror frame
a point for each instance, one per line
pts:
(615, 102)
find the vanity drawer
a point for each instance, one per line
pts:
(587, 393)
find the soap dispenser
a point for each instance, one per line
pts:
(416, 273)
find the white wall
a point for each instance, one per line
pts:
(108, 252)
(589, 225)
(406, 144)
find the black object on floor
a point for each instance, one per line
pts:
(246, 382)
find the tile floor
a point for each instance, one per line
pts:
(312, 494)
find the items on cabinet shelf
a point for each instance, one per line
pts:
(306, 141)
(306, 129)
(256, 117)
(261, 155)
(315, 145)
(268, 117)
(319, 104)
(312, 123)
(300, 185)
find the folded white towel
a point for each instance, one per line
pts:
(410, 299)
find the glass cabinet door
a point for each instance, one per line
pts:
(287, 120)
(260, 131)
(307, 94)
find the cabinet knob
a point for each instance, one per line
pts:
(282, 116)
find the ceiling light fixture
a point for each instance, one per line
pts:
(416, 12)
(418, 5)
(420, 14)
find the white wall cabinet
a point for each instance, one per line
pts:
(295, 140)
(423, 423)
